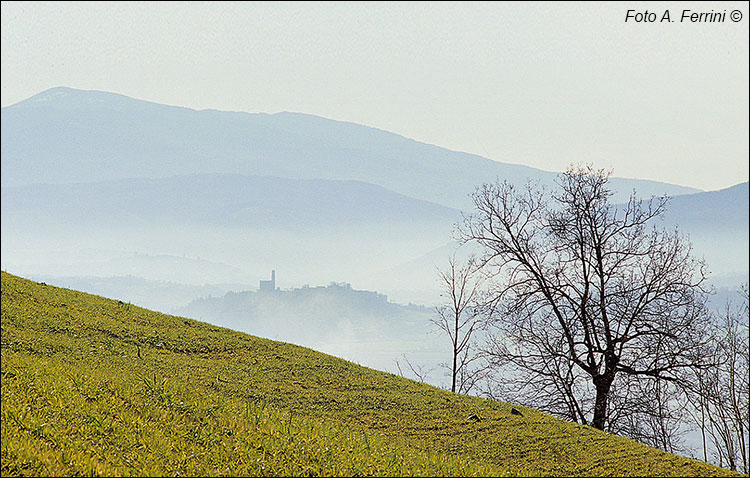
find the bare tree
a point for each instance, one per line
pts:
(585, 291)
(459, 318)
(721, 392)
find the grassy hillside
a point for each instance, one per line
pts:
(94, 386)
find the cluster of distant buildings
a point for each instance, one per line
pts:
(269, 286)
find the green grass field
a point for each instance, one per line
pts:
(92, 386)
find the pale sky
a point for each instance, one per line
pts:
(542, 84)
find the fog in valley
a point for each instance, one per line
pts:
(185, 212)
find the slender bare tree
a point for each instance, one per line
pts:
(586, 292)
(720, 393)
(459, 317)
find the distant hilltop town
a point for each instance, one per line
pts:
(269, 309)
(269, 286)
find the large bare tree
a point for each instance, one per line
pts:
(586, 292)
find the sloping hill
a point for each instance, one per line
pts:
(65, 135)
(93, 386)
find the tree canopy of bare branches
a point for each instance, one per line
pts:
(586, 292)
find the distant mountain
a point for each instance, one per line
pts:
(219, 200)
(313, 230)
(100, 184)
(319, 304)
(64, 135)
(725, 209)
(73, 254)
(718, 227)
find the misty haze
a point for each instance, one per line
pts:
(229, 197)
(374, 239)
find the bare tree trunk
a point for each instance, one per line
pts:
(703, 425)
(603, 386)
(455, 370)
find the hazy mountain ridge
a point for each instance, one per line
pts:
(313, 230)
(226, 200)
(64, 135)
(82, 265)
(318, 199)
(723, 209)
(716, 222)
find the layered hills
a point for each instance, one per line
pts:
(98, 184)
(150, 203)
